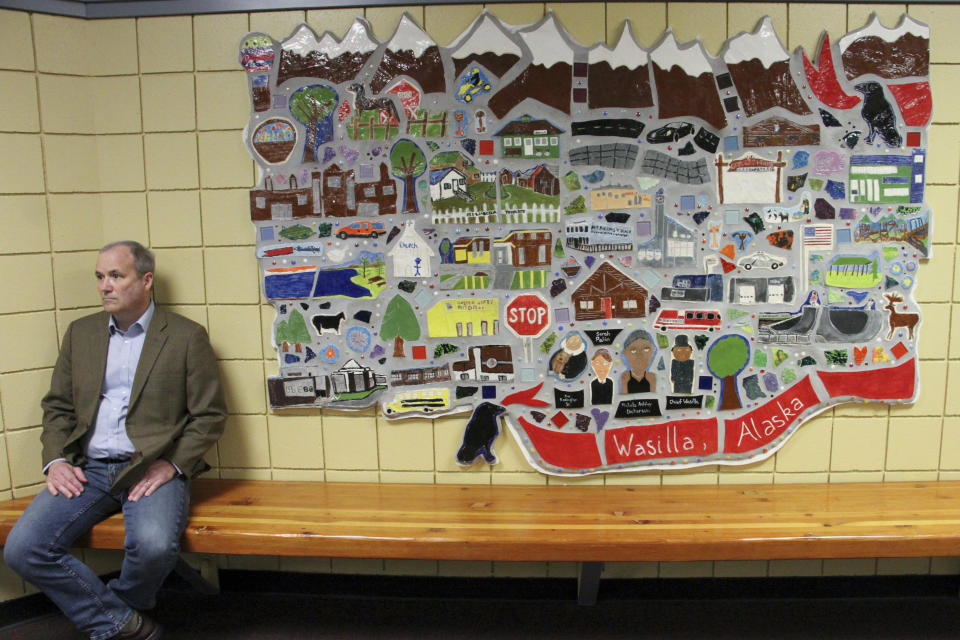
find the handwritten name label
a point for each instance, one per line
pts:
(684, 402)
(764, 424)
(695, 437)
(603, 337)
(568, 399)
(639, 408)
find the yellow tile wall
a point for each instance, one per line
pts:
(148, 146)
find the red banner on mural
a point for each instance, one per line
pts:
(767, 422)
(568, 450)
(665, 440)
(890, 383)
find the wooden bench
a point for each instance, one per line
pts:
(586, 524)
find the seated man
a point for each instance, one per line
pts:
(134, 403)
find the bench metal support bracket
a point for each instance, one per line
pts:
(206, 581)
(588, 583)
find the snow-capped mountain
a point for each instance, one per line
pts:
(619, 76)
(302, 55)
(549, 76)
(488, 43)
(901, 52)
(685, 83)
(759, 66)
(410, 51)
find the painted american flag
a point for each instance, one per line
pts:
(818, 235)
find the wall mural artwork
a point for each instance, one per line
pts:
(633, 259)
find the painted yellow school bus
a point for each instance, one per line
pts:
(425, 400)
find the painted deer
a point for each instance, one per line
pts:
(372, 104)
(897, 319)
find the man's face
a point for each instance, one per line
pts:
(682, 353)
(125, 294)
(601, 367)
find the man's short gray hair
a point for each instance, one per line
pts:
(143, 260)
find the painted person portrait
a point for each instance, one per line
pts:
(639, 351)
(135, 402)
(601, 387)
(571, 360)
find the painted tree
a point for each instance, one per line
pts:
(293, 329)
(313, 106)
(399, 323)
(446, 248)
(408, 163)
(726, 358)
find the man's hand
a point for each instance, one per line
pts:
(63, 477)
(158, 474)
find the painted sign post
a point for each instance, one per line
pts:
(528, 317)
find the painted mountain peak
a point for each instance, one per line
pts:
(410, 52)
(619, 76)
(488, 43)
(685, 83)
(549, 76)
(302, 55)
(548, 42)
(900, 52)
(759, 66)
(626, 53)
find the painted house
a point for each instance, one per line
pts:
(780, 132)
(422, 375)
(887, 178)
(464, 317)
(539, 179)
(618, 197)
(344, 196)
(672, 243)
(527, 137)
(487, 363)
(524, 248)
(472, 250)
(592, 236)
(297, 390)
(271, 203)
(411, 255)
(332, 192)
(448, 183)
(353, 377)
(609, 293)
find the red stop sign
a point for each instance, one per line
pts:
(528, 315)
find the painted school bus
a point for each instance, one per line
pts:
(425, 400)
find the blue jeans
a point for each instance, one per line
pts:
(37, 548)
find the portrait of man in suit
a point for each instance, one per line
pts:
(135, 402)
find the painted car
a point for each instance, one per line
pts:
(362, 229)
(473, 82)
(760, 260)
(670, 132)
(425, 400)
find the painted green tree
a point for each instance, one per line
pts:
(399, 323)
(293, 329)
(408, 163)
(726, 358)
(313, 106)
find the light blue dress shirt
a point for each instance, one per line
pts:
(109, 438)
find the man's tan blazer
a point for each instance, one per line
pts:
(176, 410)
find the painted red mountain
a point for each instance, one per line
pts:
(619, 77)
(412, 53)
(303, 56)
(685, 82)
(901, 52)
